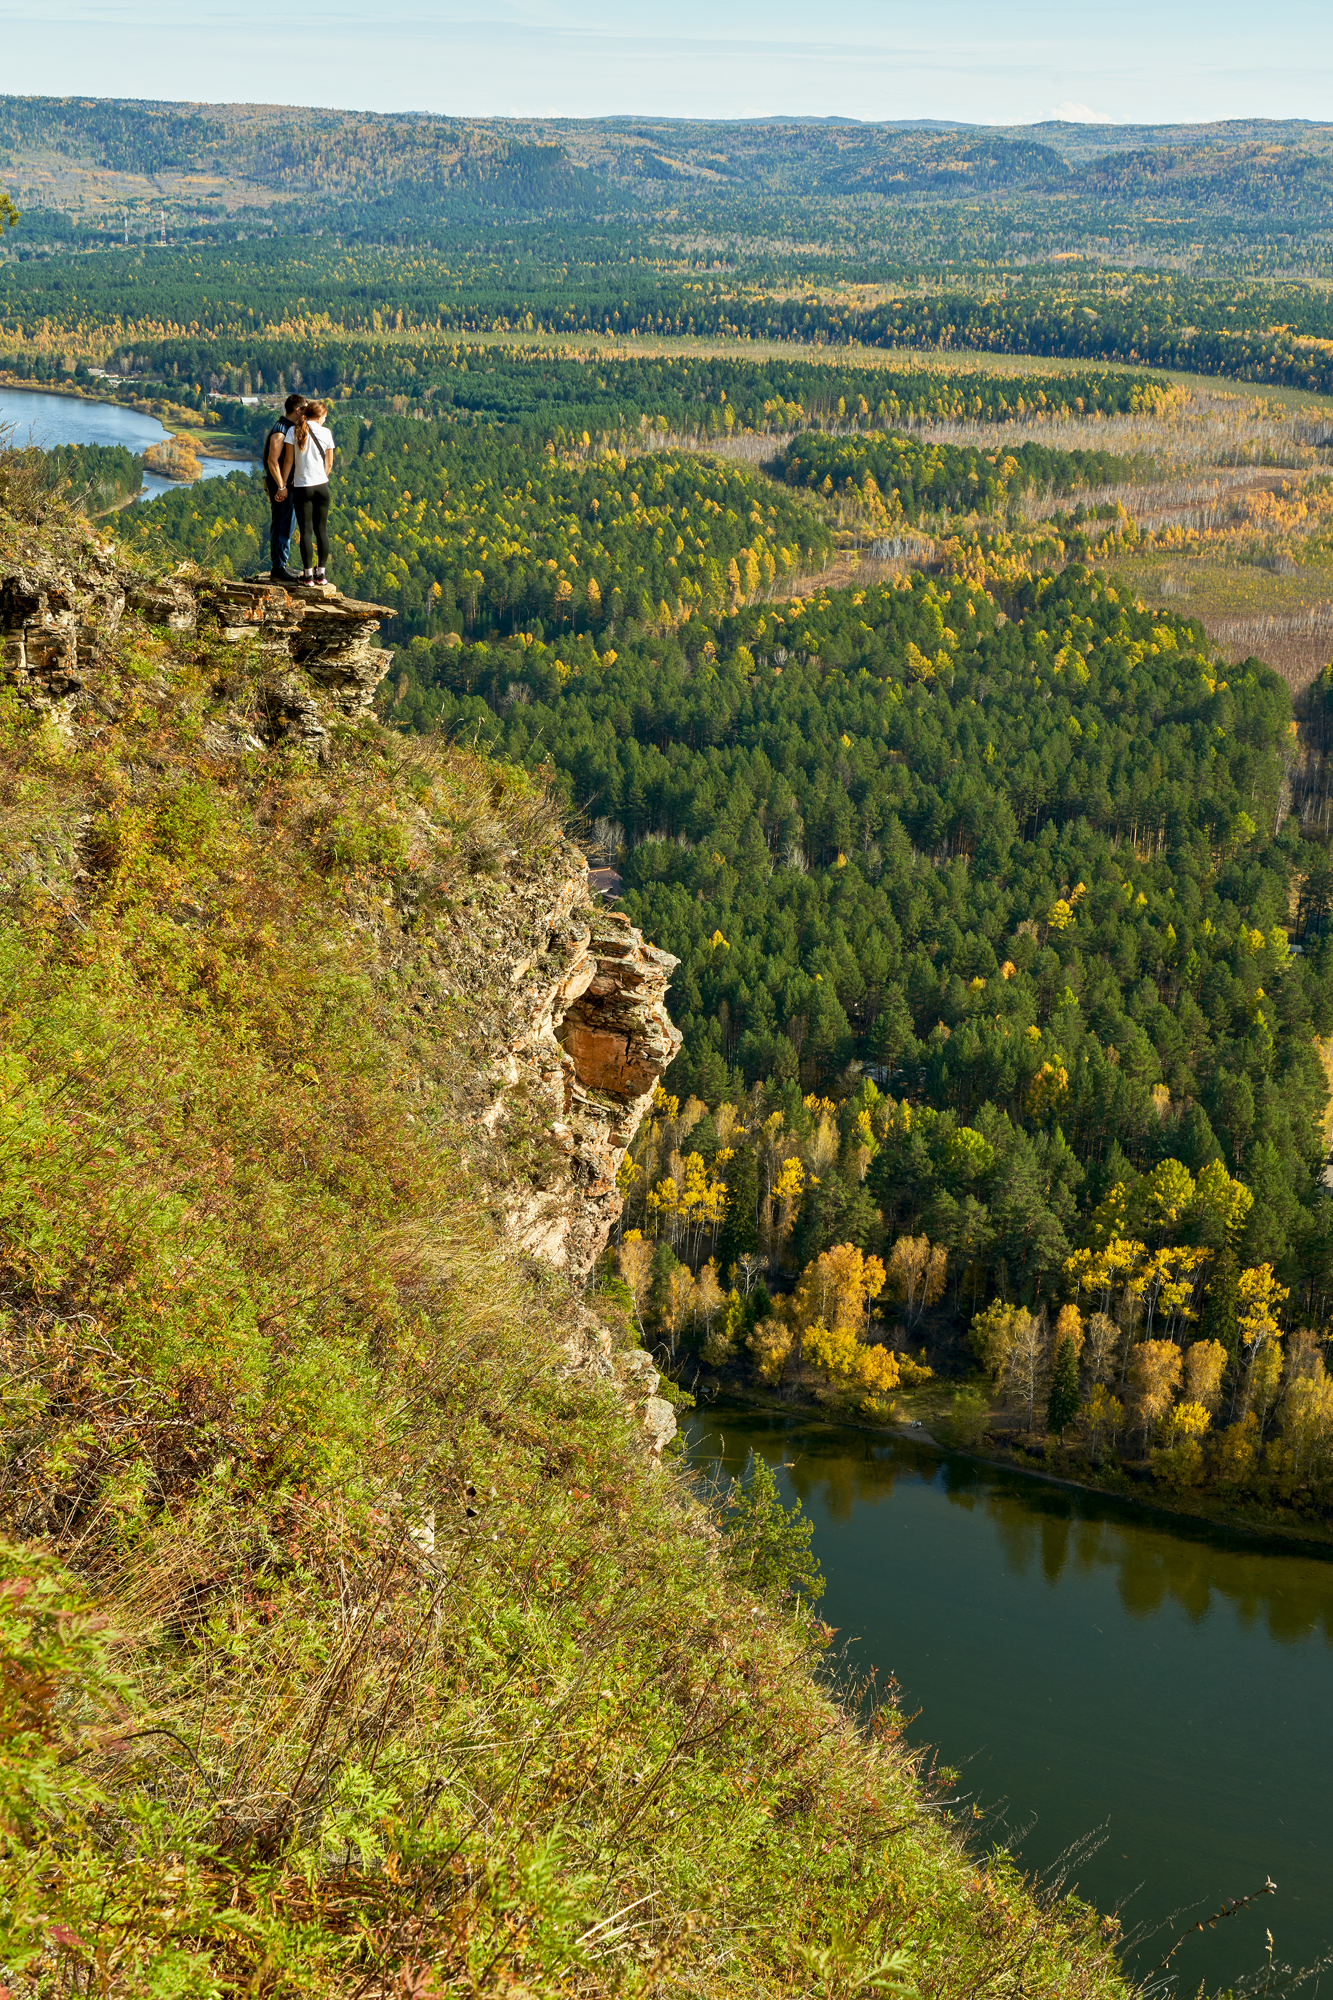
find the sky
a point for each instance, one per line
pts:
(977, 61)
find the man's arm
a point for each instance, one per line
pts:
(288, 461)
(273, 456)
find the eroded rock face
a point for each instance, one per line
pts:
(54, 621)
(587, 1041)
(316, 629)
(568, 1065)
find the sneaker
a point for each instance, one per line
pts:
(321, 576)
(307, 576)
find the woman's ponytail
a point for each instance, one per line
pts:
(302, 432)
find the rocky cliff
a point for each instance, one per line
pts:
(318, 651)
(558, 1000)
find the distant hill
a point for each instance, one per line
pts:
(82, 155)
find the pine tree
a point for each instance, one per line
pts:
(768, 1545)
(1221, 1302)
(739, 1231)
(1062, 1403)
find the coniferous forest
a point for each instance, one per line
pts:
(832, 595)
(898, 563)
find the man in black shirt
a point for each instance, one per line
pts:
(282, 507)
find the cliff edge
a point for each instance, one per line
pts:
(571, 1027)
(357, 1640)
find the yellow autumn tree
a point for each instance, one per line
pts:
(778, 1213)
(1101, 1345)
(916, 1273)
(1259, 1301)
(1154, 1373)
(709, 1297)
(1205, 1365)
(1307, 1426)
(992, 1334)
(829, 1309)
(1069, 1326)
(1111, 1274)
(831, 1348)
(838, 1288)
(1237, 1450)
(1103, 1414)
(844, 1358)
(678, 1304)
(634, 1260)
(770, 1344)
(879, 1370)
(1187, 1420)
(1217, 1195)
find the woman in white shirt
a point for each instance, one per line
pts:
(306, 462)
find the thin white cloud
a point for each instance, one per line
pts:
(1076, 114)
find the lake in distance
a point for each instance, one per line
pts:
(1090, 1668)
(49, 421)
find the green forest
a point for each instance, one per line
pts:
(1026, 868)
(899, 563)
(981, 865)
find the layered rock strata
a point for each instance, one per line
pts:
(567, 1002)
(319, 646)
(597, 1042)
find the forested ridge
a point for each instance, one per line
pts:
(193, 311)
(1026, 866)
(1232, 187)
(990, 902)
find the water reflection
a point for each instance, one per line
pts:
(1086, 1664)
(1042, 1529)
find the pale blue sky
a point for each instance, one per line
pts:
(867, 59)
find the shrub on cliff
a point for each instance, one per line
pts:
(355, 1645)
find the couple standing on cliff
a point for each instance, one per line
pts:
(298, 457)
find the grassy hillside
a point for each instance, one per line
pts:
(354, 1644)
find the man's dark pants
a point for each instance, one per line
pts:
(283, 526)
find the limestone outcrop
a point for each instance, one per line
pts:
(598, 1041)
(53, 622)
(564, 1015)
(55, 619)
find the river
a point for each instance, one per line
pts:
(51, 420)
(1090, 1668)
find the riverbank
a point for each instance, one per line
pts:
(180, 417)
(1108, 1683)
(1314, 1538)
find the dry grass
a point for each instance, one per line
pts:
(417, 1678)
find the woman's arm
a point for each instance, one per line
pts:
(328, 459)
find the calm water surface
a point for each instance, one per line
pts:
(1087, 1665)
(52, 420)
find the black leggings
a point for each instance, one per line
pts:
(312, 511)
